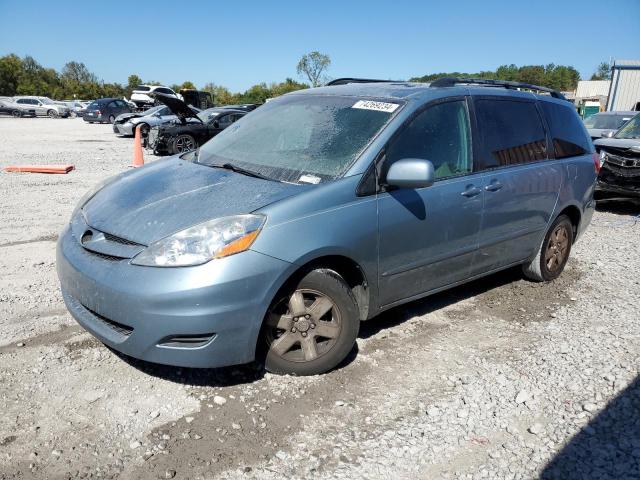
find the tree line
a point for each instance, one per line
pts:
(25, 76)
(559, 77)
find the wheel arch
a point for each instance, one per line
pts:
(575, 215)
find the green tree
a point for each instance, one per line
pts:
(603, 72)
(132, 82)
(313, 65)
(11, 71)
(188, 86)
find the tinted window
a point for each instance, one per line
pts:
(164, 90)
(604, 120)
(22, 100)
(440, 134)
(164, 111)
(142, 88)
(113, 104)
(511, 132)
(567, 132)
(224, 121)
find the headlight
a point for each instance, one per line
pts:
(201, 243)
(603, 156)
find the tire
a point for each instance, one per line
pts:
(52, 113)
(16, 114)
(554, 252)
(183, 143)
(312, 327)
(112, 119)
(144, 130)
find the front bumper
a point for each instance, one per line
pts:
(123, 128)
(619, 180)
(146, 312)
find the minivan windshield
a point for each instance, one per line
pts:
(631, 129)
(605, 121)
(300, 138)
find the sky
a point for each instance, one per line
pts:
(243, 42)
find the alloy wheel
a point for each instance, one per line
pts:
(184, 144)
(557, 248)
(303, 327)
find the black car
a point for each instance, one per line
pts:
(9, 107)
(192, 131)
(105, 110)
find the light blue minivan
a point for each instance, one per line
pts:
(321, 209)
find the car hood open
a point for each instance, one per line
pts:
(177, 106)
(170, 195)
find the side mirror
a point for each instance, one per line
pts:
(410, 173)
(607, 133)
(216, 124)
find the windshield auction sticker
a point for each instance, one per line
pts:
(379, 106)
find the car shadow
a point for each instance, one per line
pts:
(608, 447)
(398, 315)
(620, 206)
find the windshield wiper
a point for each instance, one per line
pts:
(243, 171)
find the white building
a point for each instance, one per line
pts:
(624, 92)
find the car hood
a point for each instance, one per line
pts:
(170, 195)
(596, 132)
(177, 106)
(620, 143)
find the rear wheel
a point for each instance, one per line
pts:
(52, 113)
(553, 253)
(312, 328)
(183, 143)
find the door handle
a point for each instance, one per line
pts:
(471, 191)
(493, 186)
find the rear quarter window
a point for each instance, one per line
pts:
(511, 133)
(568, 134)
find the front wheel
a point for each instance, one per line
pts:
(183, 143)
(52, 113)
(312, 328)
(553, 253)
(112, 119)
(16, 113)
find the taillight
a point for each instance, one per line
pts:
(596, 162)
(98, 112)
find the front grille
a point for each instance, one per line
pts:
(119, 328)
(103, 256)
(120, 240)
(625, 162)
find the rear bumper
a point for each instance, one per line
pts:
(140, 311)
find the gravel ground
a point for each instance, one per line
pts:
(499, 379)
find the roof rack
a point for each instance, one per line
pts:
(452, 81)
(346, 80)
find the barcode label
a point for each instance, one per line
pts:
(379, 106)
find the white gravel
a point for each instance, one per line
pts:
(499, 379)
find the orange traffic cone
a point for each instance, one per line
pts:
(138, 157)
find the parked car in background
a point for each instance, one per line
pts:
(77, 107)
(181, 138)
(247, 107)
(142, 95)
(9, 107)
(43, 106)
(603, 122)
(154, 116)
(105, 110)
(620, 157)
(320, 210)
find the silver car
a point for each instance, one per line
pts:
(126, 123)
(44, 106)
(603, 122)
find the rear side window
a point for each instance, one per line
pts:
(164, 90)
(142, 88)
(511, 133)
(567, 133)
